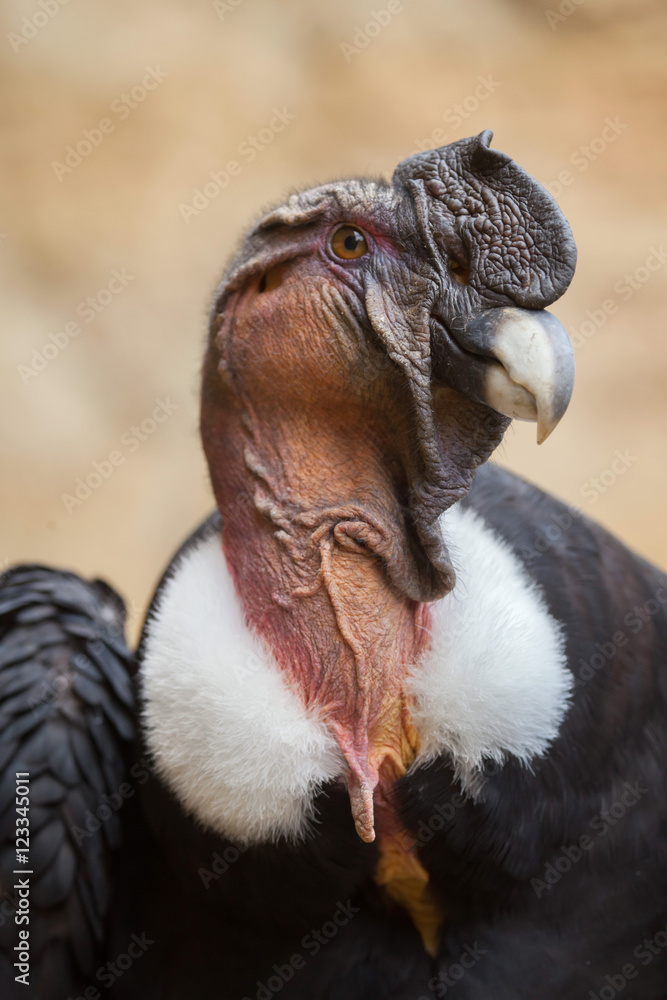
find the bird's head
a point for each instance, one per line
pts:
(369, 344)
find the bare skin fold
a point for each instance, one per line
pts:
(368, 346)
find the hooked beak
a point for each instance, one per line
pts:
(528, 363)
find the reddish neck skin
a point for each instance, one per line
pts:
(294, 541)
(304, 471)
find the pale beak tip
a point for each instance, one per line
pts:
(543, 432)
(533, 374)
(554, 410)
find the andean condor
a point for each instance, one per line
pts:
(400, 715)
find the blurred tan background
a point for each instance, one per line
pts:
(547, 77)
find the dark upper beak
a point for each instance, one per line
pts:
(519, 362)
(475, 206)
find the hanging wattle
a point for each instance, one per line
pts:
(313, 530)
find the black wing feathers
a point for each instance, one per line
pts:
(67, 718)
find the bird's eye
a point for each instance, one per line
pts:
(349, 243)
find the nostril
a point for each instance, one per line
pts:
(271, 279)
(460, 272)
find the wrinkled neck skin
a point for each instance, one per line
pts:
(308, 507)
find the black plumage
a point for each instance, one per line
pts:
(64, 662)
(217, 928)
(490, 861)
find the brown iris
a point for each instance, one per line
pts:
(349, 243)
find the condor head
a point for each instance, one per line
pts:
(369, 345)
